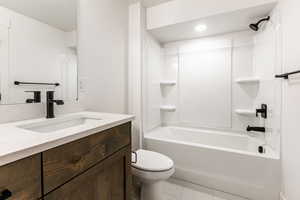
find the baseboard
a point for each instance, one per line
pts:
(282, 197)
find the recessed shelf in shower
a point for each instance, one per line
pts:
(248, 80)
(168, 83)
(245, 112)
(168, 108)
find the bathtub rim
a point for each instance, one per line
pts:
(272, 156)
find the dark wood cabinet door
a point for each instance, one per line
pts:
(109, 180)
(65, 162)
(22, 178)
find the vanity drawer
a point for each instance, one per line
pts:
(107, 180)
(22, 178)
(65, 162)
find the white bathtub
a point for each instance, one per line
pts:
(222, 161)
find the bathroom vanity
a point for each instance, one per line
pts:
(78, 156)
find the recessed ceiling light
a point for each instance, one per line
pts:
(200, 28)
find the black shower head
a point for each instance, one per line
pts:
(255, 27)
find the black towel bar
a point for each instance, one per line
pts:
(286, 75)
(32, 83)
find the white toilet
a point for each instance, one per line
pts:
(151, 168)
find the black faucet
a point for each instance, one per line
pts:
(50, 104)
(263, 111)
(257, 129)
(36, 97)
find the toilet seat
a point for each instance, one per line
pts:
(150, 161)
(151, 168)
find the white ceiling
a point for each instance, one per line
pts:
(216, 25)
(58, 13)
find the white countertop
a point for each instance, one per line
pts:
(17, 143)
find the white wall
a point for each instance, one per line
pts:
(179, 11)
(291, 107)
(135, 63)
(71, 39)
(102, 50)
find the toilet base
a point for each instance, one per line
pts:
(151, 191)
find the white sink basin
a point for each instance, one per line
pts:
(58, 124)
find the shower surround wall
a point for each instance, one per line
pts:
(153, 61)
(204, 99)
(204, 72)
(239, 59)
(267, 62)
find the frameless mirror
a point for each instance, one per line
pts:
(38, 50)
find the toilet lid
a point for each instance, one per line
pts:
(152, 161)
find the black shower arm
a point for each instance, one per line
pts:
(262, 20)
(286, 75)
